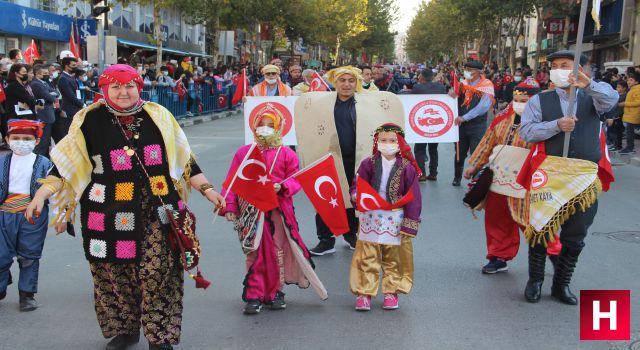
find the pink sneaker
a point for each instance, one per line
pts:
(390, 302)
(363, 303)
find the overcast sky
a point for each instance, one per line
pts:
(407, 9)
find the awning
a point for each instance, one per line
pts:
(164, 49)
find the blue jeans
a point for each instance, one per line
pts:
(18, 238)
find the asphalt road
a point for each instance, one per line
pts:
(452, 305)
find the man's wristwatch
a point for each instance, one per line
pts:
(204, 188)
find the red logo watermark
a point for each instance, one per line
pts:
(605, 315)
(539, 179)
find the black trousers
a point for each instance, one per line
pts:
(45, 141)
(470, 135)
(60, 128)
(420, 152)
(614, 133)
(322, 229)
(631, 135)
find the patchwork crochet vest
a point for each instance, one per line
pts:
(112, 226)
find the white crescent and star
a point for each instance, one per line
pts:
(322, 179)
(367, 196)
(263, 179)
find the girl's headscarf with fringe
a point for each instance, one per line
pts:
(274, 140)
(405, 149)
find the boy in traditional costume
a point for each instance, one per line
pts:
(506, 205)
(564, 190)
(384, 238)
(277, 255)
(127, 162)
(19, 173)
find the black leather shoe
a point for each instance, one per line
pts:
(3, 295)
(537, 259)
(456, 182)
(27, 302)
(563, 294)
(122, 342)
(278, 302)
(160, 347)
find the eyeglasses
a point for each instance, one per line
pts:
(271, 73)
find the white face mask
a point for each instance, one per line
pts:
(264, 131)
(22, 148)
(271, 81)
(388, 149)
(84, 78)
(165, 73)
(468, 75)
(518, 107)
(517, 78)
(560, 77)
(54, 75)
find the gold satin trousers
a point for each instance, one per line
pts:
(394, 261)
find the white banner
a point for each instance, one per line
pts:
(282, 105)
(430, 118)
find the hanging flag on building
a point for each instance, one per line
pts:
(31, 53)
(595, 13)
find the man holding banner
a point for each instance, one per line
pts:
(564, 190)
(475, 98)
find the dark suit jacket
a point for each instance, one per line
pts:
(429, 88)
(70, 104)
(42, 90)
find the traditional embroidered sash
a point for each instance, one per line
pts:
(15, 203)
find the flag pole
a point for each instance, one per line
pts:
(306, 168)
(576, 64)
(233, 180)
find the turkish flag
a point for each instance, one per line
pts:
(97, 97)
(321, 184)
(605, 172)
(3, 96)
(72, 42)
(455, 84)
(222, 101)
(367, 198)
(252, 182)
(241, 88)
(31, 53)
(317, 83)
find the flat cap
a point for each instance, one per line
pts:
(474, 64)
(569, 54)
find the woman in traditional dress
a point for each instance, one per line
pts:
(137, 278)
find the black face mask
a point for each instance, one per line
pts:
(4, 74)
(45, 77)
(24, 78)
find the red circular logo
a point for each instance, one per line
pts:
(431, 118)
(539, 179)
(276, 108)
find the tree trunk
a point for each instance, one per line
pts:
(335, 61)
(157, 33)
(539, 34)
(565, 35)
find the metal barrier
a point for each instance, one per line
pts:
(206, 99)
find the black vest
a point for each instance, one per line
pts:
(585, 138)
(462, 110)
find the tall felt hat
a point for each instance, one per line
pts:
(474, 64)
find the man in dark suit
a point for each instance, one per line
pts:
(43, 91)
(71, 102)
(427, 86)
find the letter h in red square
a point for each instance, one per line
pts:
(605, 315)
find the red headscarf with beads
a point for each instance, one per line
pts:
(122, 74)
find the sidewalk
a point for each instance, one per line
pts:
(199, 119)
(633, 159)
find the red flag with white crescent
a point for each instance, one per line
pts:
(605, 172)
(455, 83)
(31, 53)
(317, 83)
(367, 198)
(321, 184)
(241, 88)
(252, 182)
(72, 42)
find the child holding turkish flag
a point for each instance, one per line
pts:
(384, 238)
(278, 256)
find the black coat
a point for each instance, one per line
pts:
(67, 85)
(42, 90)
(429, 88)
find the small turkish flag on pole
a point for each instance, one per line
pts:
(317, 83)
(321, 184)
(241, 90)
(252, 182)
(605, 171)
(72, 42)
(368, 198)
(31, 53)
